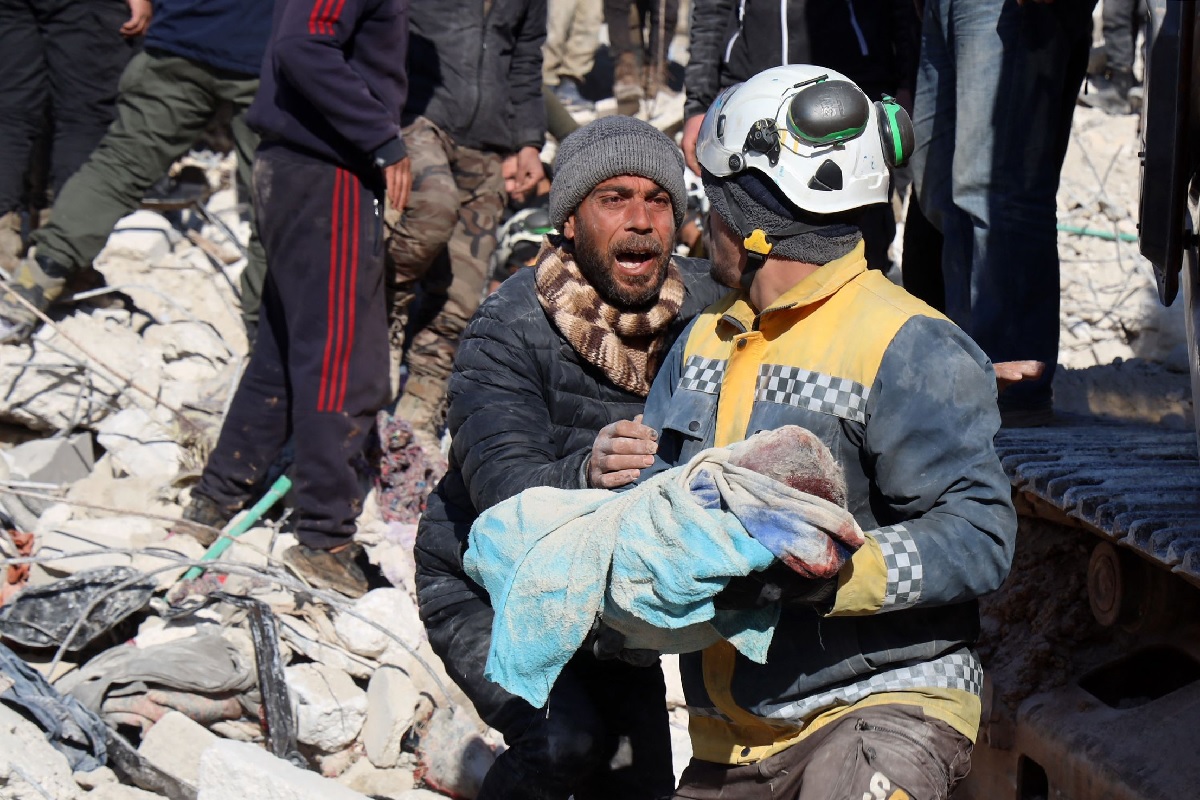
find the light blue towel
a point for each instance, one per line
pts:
(651, 559)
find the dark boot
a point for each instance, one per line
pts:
(335, 569)
(39, 280)
(204, 511)
(1109, 92)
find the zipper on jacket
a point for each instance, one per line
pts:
(863, 725)
(737, 33)
(487, 15)
(862, 40)
(783, 28)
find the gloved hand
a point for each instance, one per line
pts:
(607, 643)
(777, 583)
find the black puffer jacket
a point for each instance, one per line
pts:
(478, 75)
(524, 411)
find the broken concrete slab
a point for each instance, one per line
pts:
(118, 791)
(142, 444)
(58, 460)
(175, 744)
(29, 766)
(391, 702)
(246, 771)
(389, 608)
(304, 639)
(378, 783)
(329, 707)
(85, 535)
(144, 235)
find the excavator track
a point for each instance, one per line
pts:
(1137, 487)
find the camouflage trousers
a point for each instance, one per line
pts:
(440, 249)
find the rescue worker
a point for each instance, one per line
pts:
(548, 373)
(329, 115)
(870, 687)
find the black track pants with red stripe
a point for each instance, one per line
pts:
(319, 369)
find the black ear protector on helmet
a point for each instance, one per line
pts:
(896, 131)
(829, 112)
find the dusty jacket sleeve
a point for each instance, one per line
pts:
(525, 79)
(499, 423)
(310, 51)
(708, 30)
(931, 418)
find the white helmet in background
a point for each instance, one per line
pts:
(812, 133)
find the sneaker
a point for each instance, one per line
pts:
(335, 569)
(569, 95)
(39, 281)
(1109, 92)
(205, 511)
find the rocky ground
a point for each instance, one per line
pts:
(107, 417)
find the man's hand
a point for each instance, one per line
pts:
(691, 134)
(140, 12)
(1010, 372)
(398, 180)
(620, 453)
(529, 170)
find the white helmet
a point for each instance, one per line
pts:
(812, 132)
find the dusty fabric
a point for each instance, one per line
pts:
(406, 475)
(201, 664)
(552, 560)
(626, 345)
(73, 730)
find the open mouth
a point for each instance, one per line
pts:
(636, 261)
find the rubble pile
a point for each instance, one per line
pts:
(240, 682)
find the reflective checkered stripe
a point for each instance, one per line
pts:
(905, 572)
(815, 391)
(960, 670)
(702, 374)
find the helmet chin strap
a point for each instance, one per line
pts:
(757, 242)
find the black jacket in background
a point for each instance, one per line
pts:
(872, 42)
(524, 411)
(478, 76)
(333, 80)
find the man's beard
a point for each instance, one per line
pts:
(599, 268)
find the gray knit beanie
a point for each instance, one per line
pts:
(609, 147)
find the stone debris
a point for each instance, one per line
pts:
(110, 412)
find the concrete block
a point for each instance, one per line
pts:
(391, 702)
(61, 460)
(175, 744)
(329, 706)
(168, 553)
(85, 535)
(143, 235)
(140, 445)
(390, 609)
(27, 758)
(304, 639)
(246, 771)
(379, 783)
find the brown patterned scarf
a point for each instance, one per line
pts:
(627, 346)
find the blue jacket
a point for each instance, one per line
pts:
(226, 34)
(334, 80)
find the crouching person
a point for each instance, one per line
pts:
(546, 370)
